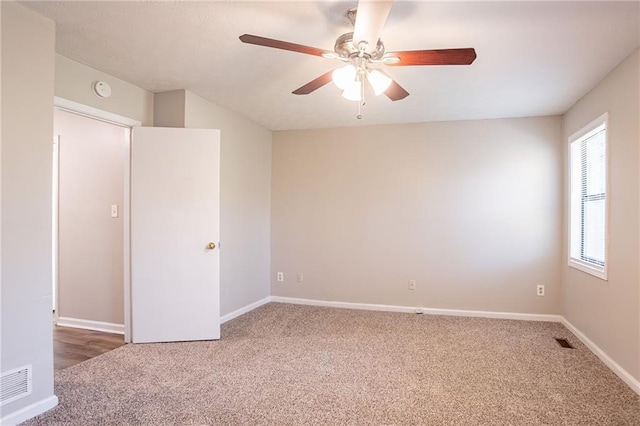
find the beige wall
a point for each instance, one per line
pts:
(608, 312)
(471, 210)
(90, 241)
(27, 126)
(74, 82)
(168, 108)
(245, 198)
(245, 191)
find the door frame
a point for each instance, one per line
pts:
(119, 120)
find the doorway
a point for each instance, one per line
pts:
(91, 211)
(174, 194)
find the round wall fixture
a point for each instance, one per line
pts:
(101, 89)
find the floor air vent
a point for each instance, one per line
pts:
(564, 343)
(15, 384)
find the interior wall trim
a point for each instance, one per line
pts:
(106, 327)
(244, 310)
(427, 311)
(95, 113)
(626, 377)
(29, 411)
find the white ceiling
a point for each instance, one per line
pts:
(534, 58)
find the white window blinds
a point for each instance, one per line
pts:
(588, 218)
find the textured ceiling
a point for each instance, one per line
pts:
(534, 58)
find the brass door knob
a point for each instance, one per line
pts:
(211, 246)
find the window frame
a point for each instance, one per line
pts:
(582, 265)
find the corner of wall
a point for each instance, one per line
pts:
(616, 328)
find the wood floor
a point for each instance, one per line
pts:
(73, 345)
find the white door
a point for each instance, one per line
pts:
(175, 220)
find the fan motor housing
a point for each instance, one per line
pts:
(345, 48)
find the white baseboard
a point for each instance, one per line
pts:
(244, 310)
(409, 309)
(626, 377)
(493, 314)
(106, 327)
(345, 305)
(30, 411)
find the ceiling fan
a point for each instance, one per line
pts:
(363, 48)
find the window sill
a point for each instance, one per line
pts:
(584, 267)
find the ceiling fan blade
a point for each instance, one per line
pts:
(284, 45)
(395, 92)
(370, 19)
(314, 84)
(434, 57)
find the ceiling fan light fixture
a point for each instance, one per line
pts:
(361, 48)
(344, 77)
(379, 81)
(353, 91)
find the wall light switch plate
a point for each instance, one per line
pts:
(114, 210)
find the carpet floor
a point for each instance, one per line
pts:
(286, 364)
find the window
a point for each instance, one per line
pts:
(588, 203)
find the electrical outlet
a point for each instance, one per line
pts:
(540, 290)
(299, 277)
(280, 276)
(412, 284)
